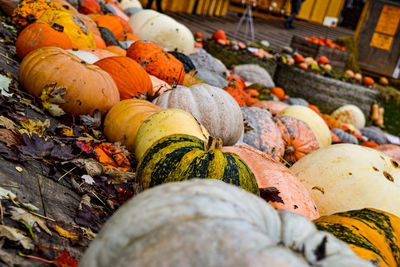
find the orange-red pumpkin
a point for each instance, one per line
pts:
(131, 79)
(323, 60)
(111, 22)
(116, 50)
(89, 7)
(299, 139)
(40, 34)
(219, 35)
(157, 61)
(275, 107)
(368, 81)
(278, 185)
(279, 92)
(99, 41)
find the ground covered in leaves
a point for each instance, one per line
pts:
(59, 178)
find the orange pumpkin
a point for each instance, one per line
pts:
(303, 66)
(299, 139)
(88, 87)
(323, 60)
(130, 37)
(111, 22)
(298, 58)
(315, 108)
(275, 107)
(131, 79)
(99, 41)
(219, 35)
(89, 7)
(157, 61)
(116, 50)
(100, 53)
(278, 185)
(40, 34)
(369, 144)
(125, 24)
(92, 26)
(368, 81)
(279, 92)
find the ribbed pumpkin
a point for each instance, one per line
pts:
(75, 28)
(89, 7)
(272, 106)
(313, 120)
(350, 114)
(110, 22)
(89, 23)
(100, 43)
(277, 184)
(186, 61)
(346, 177)
(40, 34)
(211, 106)
(88, 87)
(131, 79)
(373, 234)
(85, 56)
(167, 122)
(261, 132)
(116, 50)
(299, 139)
(157, 61)
(123, 120)
(100, 53)
(181, 157)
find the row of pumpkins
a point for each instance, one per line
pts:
(199, 130)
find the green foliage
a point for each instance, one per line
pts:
(351, 46)
(390, 101)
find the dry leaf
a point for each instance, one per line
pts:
(31, 127)
(16, 235)
(4, 84)
(93, 167)
(7, 123)
(9, 138)
(33, 221)
(51, 97)
(88, 179)
(118, 177)
(5, 194)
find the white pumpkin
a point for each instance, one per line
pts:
(346, 177)
(125, 4)
(86, 56)
(313, 120)
(350, 114)
(211, 106)
(153, 26)
(255, 74)
(211, 223)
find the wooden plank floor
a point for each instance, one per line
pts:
(271, 30)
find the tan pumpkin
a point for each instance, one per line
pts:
(159, 86)
(131, 79)
(278, 185)
(92, 26)
(211, 106)
(272, 106)
(391, 150)
(123, 120)
(88, 87)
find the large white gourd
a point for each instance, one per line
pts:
(350, 114)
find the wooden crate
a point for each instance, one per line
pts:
(337, 57)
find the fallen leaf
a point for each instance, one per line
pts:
(29, 206)
(271, 194)
(10, 153)
(7, 123)
(5, 194)
(18, 214)
(91, 122)
(93, 167)
(36, 146)
(87, 215)
(51, 97)
(88, 179)
(62, 152)
(7, 257)
(4, 84)
(118, 177)
(9, 138)
(112, 157)
(31, 127)
(65, 260)
(67, 231)
(19, 169)
(16, 235)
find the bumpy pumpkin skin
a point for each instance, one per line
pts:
(123, 120)
(88, 87)
(261, 132)
(40, 34)
(157, 61)
(181, 157)
(291, 195)
(373, 234)
(131, 79)
(211, 106)
(299, 139)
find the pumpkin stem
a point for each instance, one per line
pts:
(290, 149)
(213, 143)
(232, 83)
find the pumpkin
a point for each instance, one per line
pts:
(89, 7)
(108, 37)
(159, 86)
(279, 92)
(89, 23)
(130, 37)
(186, 61)
(163, 123)
(116, 50)
(99, 41)
(299, 139)
(261, 132)
(38, 35)
(111, 22)
(296, 101)
(86, 56)
(331, 121)
(323, 60)
(112, 7)
(202, 60)
(369, 144)
(313, 120)
(350, 177)
(237, 94)
(383, 81)
(90, 88)
(254, 73)
(180, 157)
(126, 26)
(350, 114)
(219, 35)
(373, 234)
(131, 79)
(211, 106)
(272, 106)
(368, 81)
(125, 4)
(350, 73)
(77, 31)
(165, 31)
(278, 186)
(122, 122)
(209, 222)
(375, 134)
(298, 58)
(157, 61)
(345, 137)
(100, 53)
(391, 150)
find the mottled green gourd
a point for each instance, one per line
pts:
(181, 157)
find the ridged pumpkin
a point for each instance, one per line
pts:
(40, 34)
(86, 56)
(181, 157)
(110, 22)
(89, 7)
(89, 23)
(100, 43)
(278, 185)
(100, 53)
(157, 61)
(74, 27)
(167, 122)
(116, 50)
(261, 132)
(350, 114)
(131, 79)
(88, 87)
(211, 106)
(272, 106)
(373, 234)
(123, 120)
(299, 139)
(313, 120)
(346, 177)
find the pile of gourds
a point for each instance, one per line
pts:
(180, 127)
